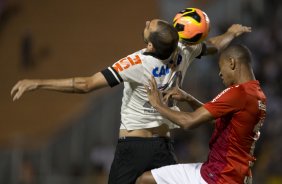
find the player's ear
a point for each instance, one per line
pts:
(232, 63)
(150, 46)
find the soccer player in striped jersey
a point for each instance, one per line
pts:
(239, 112)
(144, 141)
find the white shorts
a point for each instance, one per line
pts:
(179, 174)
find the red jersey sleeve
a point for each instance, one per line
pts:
(228, 101)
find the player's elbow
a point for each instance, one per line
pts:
(85, 89)
(187, 123)
(187, 126)
(184, 123)
(82, 85)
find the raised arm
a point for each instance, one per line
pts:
(186, 120)
(218, 43)
(69, 85)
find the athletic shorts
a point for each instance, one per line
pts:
(135, 155)
(179, 174)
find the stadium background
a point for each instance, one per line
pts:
(50, 138)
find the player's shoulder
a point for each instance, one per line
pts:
(149, 60)
(245, 88)
(131, 61)
(141, 54)
(235, 91)
(252, 88)
(138, 61)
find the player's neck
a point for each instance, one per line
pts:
(246, 77)
(243, 73)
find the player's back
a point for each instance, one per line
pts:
(135, 70)
(136, 111)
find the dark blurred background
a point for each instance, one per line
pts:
(55, 138)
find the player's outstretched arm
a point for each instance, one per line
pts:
(218, 43)
(69, 85)
(180, 95)
(186, 120)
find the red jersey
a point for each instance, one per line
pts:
(240, 112)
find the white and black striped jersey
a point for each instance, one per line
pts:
(135, 70)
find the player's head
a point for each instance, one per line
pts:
(161, 38)
(235, 64)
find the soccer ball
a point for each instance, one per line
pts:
(192, 25)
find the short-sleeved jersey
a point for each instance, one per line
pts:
(239, 112)
(135, 70)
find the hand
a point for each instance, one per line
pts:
(154, 94)
(23, 86)
(175, 93)
(238, 29)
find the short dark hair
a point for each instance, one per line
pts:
(164, 40)
(239, 52)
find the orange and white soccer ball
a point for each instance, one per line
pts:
(192, 25)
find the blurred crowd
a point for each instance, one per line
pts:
(88, 158)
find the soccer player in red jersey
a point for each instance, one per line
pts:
(239, 112)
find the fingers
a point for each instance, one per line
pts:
(241, 30)
(147, 89)
(153, 83)
(172, 93)
(248, 29)
(15, 88)
(18, 95)
(238, 29)
(18, 90)
(168, 95)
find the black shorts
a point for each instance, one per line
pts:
(135, 155)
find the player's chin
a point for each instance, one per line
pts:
(225, 83)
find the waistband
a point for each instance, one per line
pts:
(128, 139)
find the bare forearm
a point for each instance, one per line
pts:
(63, 85)
(186, 120)
(193, 102)
(71, 85)
(177, 117)
(222, 41)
